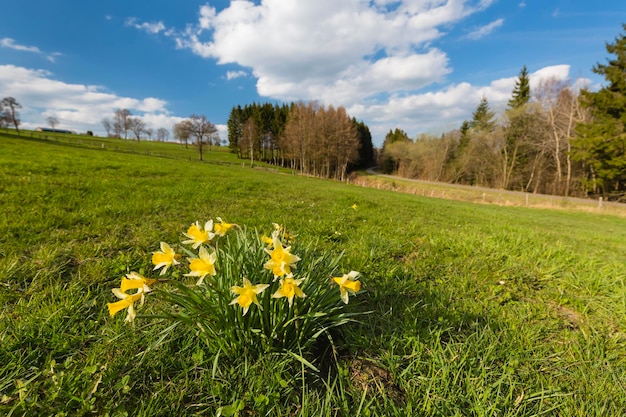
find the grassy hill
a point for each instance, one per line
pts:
(475, 309)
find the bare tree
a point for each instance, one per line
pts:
(52, 121)
(202, 130)
(107, 124)
(4, 118)
(183, 131)
(122, 122)
(137, 126)
(11, 105)
(149, 132)
(162, 134)
(562, 113)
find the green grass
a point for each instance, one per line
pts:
(476, 309)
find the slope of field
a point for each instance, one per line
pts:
(475, 309)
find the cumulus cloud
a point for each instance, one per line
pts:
(485, 30)
(12, 44)
(446, 109)
(335, 52)
(77, 106)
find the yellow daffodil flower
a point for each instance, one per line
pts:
(126, 301)
(289, 288)
(165, 258)
(135, 280)
(267, 240)
(138, 282)
(203, 265)
(222, 227)
(354, 206)
(197, 235)
(348, 284)
(281, 260)
(247, 294)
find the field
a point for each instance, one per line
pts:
(469, 309)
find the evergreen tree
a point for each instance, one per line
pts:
(464, 139)
(366, 148)
(602, 142)
(398, 135)
(482, 118)
(521, 92)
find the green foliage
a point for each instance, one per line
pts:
(397, 135)
(602, 142)
(483, 117)
(521, 91)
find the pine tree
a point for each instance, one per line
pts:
(482, 118)
(602, 143)
(521, 92)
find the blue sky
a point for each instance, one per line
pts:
(421, 66)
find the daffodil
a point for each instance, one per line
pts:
(289, 288)
(267, 240)
(247, 294)
(126, 301)
(281, 260)
(354, 206)
(222, 227)
(203, 265)
(138, 282)
(281, 232)
(348, 284)
(165, 258)
(197, 235)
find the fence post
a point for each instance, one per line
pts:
(600, 202)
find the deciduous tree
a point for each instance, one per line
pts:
(52, 121)
(11, 114)
(107, 124)
(137, 126)
(162, 134)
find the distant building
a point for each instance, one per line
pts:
(47, 129)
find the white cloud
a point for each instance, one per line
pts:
(152, 28)
(78, 107)
(11, 44)
(231, 75)
(335, 52)
(485, 30)
(446, 109)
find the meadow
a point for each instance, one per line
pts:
(468, 309)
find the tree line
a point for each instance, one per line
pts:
(124, 123)
(306, 137)
(555, 139)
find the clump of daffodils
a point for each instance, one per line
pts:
(249, 292)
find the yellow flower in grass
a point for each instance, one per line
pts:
(126, 301)
(197, 235)
(135, 281)
(289, 288)
(267, 240)
(222, 227)
(348, 284)
(247, 294)
(354, 206)
(203, 265)
(281, 260)
(165, 258)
